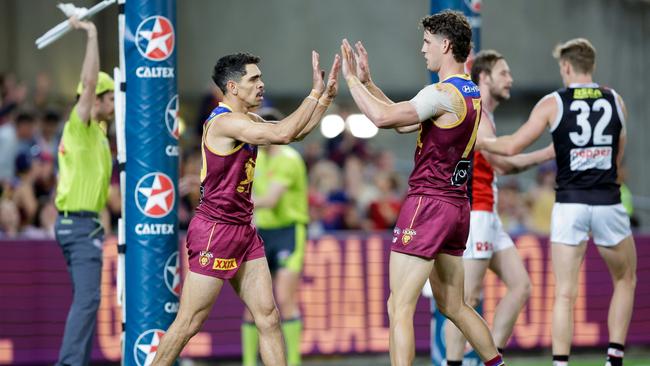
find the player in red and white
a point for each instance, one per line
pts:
(488, 245)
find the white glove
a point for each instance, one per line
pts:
(70, 10)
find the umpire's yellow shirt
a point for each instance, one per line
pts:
(85, 166)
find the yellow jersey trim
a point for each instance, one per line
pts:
(476, 102)
(461, 118)
(462, 76)
(205, 134)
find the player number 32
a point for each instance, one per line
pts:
(582, 119)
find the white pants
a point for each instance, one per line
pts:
(486, 236)
(571, 224)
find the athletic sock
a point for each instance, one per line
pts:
(615, 354)
(249, 343)
(292, 329)
(560, 360)
(497, 361)
(454, 363)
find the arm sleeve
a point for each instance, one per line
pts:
(430, 101)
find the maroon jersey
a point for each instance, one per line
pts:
(226, 179)
(443, 153)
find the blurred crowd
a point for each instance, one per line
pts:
(30, 127)
(352, 184)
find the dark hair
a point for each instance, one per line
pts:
(51, 116)
(232, 67)
(484, 62)
(579, 52)
(24, 117)
(454, 26)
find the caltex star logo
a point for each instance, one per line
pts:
(474, 5)
(155, 195)
(146, 346)
(171, 117)
(155, 38)
(173, 274)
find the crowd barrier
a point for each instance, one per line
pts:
(343, 299)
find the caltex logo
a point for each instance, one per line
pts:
(474, 5)
(171, 117)
(173, 274)
(155, 38)
(146, 346)
(155, 195)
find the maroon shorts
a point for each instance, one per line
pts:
(218, 250)
(427, 226)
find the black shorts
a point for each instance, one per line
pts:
(285, 247)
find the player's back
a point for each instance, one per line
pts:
(287, 167)
(226, 178)
(443, 152)
(586, 138)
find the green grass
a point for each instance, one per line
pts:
(637, 358)
(577, 360)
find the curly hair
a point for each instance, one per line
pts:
(232, 67)
(484, 61)
(454, 26)
(579, 52)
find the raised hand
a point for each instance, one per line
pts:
(349, 64)
(82, 24)
(332, 79)
(363, 68)
(318, 84)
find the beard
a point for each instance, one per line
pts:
(500, 95)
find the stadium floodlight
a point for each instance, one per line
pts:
(332, 125)
(360, 126)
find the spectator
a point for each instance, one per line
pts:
(24, 195)
(8, 149)
(12, 94)
(50, 133)
(511, 207)
(542, 198)
(9, 219)
(26, 134)
(328, 199)
(43, 227)
(383, 211)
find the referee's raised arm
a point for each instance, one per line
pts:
(85, 167)
(89, 70)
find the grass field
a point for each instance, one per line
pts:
(576, 361)
(636, 358)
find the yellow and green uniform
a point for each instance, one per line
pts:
(287, 168)
(283, 229)
(85, 165)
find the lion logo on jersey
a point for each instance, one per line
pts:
(249, 169)
(205, 257)
(408, 235)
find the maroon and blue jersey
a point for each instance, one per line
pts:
(226, 178)
(443, 152)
